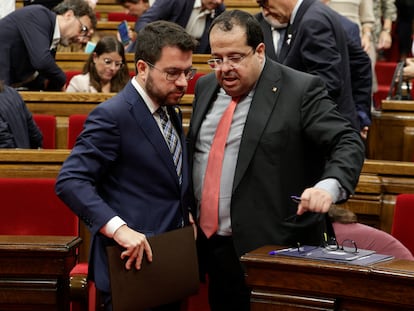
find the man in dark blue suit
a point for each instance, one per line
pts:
(360, 64)
(193, 15)
(121, 177)
(316, 43)
(28, 37)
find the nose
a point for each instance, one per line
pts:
(182, 80)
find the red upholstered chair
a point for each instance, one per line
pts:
(30, 207)
(69, 75)
(47, 125)
(192, 82)
(121, 16)
(402, 224)
(75, 126)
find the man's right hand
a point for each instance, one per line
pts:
(135, 245)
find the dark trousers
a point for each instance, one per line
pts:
(227, 287)
(105, 304)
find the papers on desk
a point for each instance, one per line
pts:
(362, 257)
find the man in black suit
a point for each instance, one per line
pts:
(28, 37)
(286, 138)
(315, 43)
(359, 62)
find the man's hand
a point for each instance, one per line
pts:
(314, 200)
(135, 245)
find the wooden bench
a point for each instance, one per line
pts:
(62, 105)
(373, 201)
(74, 61)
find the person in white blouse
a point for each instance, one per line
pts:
(105, 70)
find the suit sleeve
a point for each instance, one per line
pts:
(160, 10)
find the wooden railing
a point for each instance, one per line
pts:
(62, 105)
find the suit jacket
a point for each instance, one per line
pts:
(317, 45)
(283, 150)
(121, 166)
(17, 128)
(26, 36)
(178, 11)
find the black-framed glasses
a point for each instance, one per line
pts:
(173, 74)
(233, 61)
(347, 245)
(84, 28)
(109, 62)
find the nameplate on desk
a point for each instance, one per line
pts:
(360, 257)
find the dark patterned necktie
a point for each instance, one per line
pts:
(173, 141)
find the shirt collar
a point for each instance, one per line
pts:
(56, 35)
(148, 101)
(295, 10)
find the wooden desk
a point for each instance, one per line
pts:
(282, 283)
(34, 272)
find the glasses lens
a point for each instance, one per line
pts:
(349, 246)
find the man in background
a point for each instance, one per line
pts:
(195, 16)
(29, 36)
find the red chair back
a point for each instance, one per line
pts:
(121, 16)
(402, 225)
(75, 127)
(192, 82)
(47, 125)
(69, 75)
(29, 206)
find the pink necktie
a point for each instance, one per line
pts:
(211, 188)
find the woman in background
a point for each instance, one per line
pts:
(105, 70)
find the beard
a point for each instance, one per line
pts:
(160, 97)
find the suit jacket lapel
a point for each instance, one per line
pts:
(150, 128)
(261, 108)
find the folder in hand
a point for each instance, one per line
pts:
(171, 276)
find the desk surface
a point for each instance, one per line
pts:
(382, 286)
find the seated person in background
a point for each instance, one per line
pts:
(193, 15)
(29, 37)
(346, 226)
(105, 70)
(135, 8)
(17, 128)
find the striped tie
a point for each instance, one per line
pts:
(173, 141)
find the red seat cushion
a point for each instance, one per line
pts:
(47, 125)
(75, 127)
(120, 16)
(402, 226)
(192, 82)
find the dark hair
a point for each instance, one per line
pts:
(122, 2)
(228, 19)
(156, 35)
(79, 8)
(341, 215)
(107, 44)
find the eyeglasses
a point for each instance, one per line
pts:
(173, 74)
(347, 246)
(109, 62)
(84, 28)
(233, 61)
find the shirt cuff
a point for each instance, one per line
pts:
(333, 186)
(111, 226)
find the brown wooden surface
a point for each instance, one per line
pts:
(62, 105)
(283, 283)
(34, 272)
(391, 134)
(75, 60)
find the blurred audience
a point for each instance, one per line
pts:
(104, 71)
(385, 13)
(193, 15)
(29, 37)
(135, 8)
(346, 226)
(17, 128)
(408, 72)
(405, 13)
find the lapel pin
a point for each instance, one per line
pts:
(274, 89)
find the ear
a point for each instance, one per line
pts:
(142, 69)
(69, 14)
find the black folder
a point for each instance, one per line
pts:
(171, 276)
